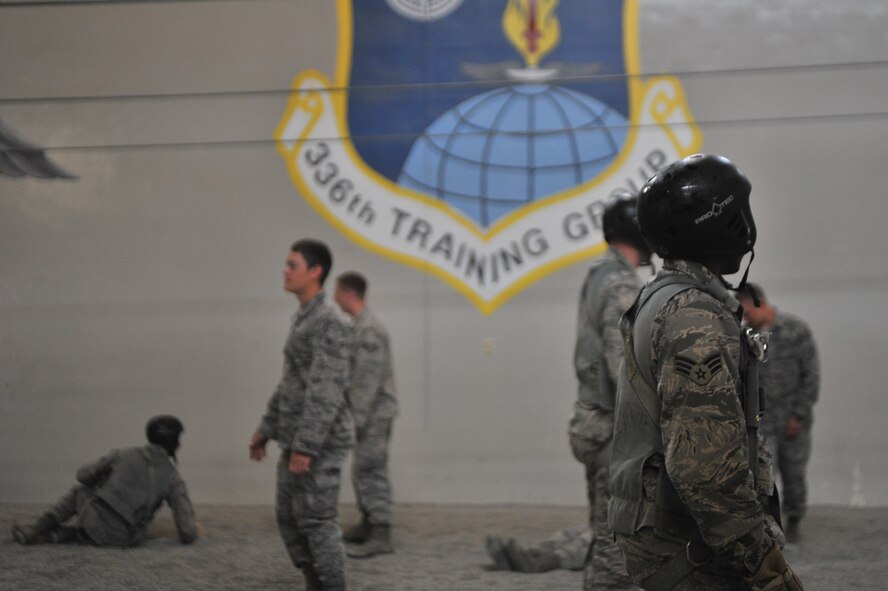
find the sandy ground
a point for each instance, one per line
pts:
(439, 547)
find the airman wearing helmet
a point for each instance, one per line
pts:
(690, 479)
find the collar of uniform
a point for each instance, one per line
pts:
(361, 315)
(715, 285)
(312, 304)
(616, 255)
(160, 452)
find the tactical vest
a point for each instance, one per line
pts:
(600, 392)
(138, 484)
(637, 435)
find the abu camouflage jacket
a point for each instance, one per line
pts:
(308, 410)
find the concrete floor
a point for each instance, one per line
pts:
(439, 547)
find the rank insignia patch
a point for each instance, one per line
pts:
(479, 141)
(701, 372)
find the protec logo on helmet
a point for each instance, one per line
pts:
(717, 209)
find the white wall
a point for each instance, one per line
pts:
(152, 283)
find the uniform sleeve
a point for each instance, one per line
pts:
(269, 422)
(370, 351)
(183, 512)
(619, 297)
(325, 389)
(95, 473)
(703, 425)
(809, 376)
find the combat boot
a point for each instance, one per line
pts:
(64, 534)
(378, 542)
(312, 582)
(497, 551)
(316, 582)
(358, 533)
(36, 534)
(530, 561)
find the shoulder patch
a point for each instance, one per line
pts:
(699, 372)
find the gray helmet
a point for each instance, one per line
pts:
(164, 430)
(698, 208)
(620, 224)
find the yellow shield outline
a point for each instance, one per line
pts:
(662, 110)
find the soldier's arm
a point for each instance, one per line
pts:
(269, 421)
(809, 375)
(183, 511)
(368, 373)
(704, 431)
(582, 358)
(325, 387)
(96, 472)
(618, 298)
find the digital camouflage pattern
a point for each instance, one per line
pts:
(565, 549)
(790, 457)
(598, 333)
(605, 566)
(791, 375)
(371, 385)
(306, 507)
(569, 546)
(602, 302)
(695, 358)
(119, 494)
(308, 409)
(791, 379)
(373, 489)
(308, 414)
(372, 398)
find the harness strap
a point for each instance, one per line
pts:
(677, 568)
(641, 347)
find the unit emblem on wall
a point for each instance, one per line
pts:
(479, 140)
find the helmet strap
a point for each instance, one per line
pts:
(742, 285)
(652, 265)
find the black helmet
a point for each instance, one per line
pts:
(620, 224)
(698, 208)
(164, 430)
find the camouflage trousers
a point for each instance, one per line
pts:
(306, 507)
(790, 460)
(590, 442)
(96, 522)
(373, 489)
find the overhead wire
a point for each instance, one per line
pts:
(748, 121)
(589, 79)
(427, 87)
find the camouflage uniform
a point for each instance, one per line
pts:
(308, 414)
(609, 289)
(118, 495)
(696, 433)
(371, 397)
(569, 547)
(791, 379)
(565, 549)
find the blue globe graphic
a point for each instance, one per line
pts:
(505, 148)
